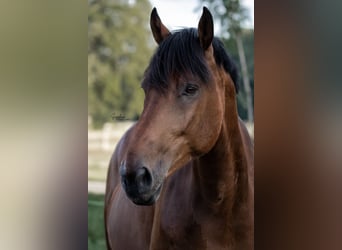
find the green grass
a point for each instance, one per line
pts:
(96, 231)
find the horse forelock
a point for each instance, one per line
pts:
(181, 53)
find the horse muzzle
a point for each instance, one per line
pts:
(139, 185)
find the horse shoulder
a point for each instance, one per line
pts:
(113, 180)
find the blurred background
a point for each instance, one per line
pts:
(45, 48)
(120, 45)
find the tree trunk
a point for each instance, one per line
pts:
(245, 77)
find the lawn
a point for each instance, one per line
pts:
(96, 232)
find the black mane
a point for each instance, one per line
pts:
(180, 53)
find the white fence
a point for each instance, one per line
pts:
(106, 139)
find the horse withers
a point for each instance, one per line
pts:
(182, 176)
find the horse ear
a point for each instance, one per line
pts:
(206, 29)
(159, 31)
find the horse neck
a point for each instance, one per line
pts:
(223, 172)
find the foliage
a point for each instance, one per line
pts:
(119, 48)
(230, 13)
(248, 42)
(96, 229)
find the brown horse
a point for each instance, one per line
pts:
(182, 176)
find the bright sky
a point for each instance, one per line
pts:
(176, 14)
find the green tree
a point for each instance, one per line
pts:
(232, 14)
(119, 49)
(247, 36)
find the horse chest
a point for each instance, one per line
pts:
(183, 226)
(186, 232)
(180, 231)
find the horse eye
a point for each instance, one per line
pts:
(190, 90)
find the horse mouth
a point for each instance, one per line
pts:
(146, 199)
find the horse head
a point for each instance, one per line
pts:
(187, 86)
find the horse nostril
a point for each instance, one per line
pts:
(139, 180)
(143, 178)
